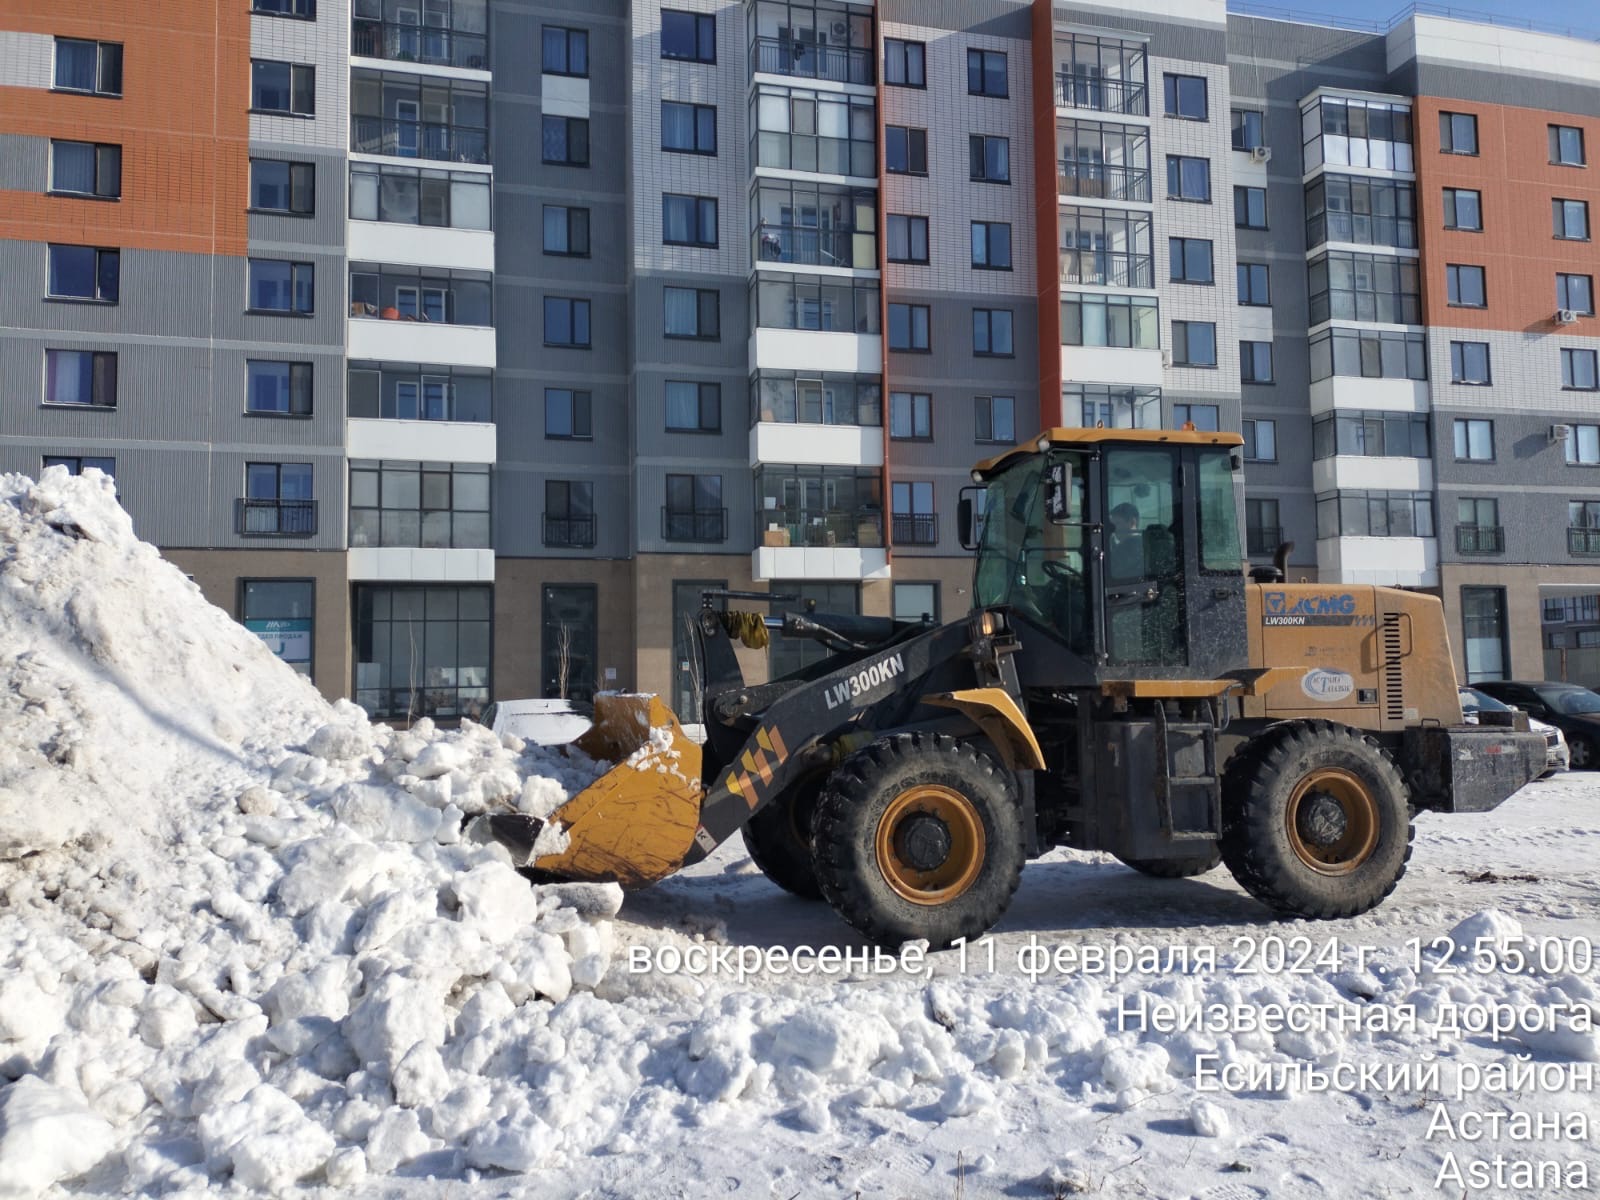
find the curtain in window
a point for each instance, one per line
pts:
(677, 126)
(681, 311)
(677, 220)
(75, 65)
(74, 167)
(469, 205)
(683, 406)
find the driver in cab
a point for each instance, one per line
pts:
(1125, 550)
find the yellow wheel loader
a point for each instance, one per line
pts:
(1120, 684)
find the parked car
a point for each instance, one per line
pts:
(1557, 757)
(1572, 709)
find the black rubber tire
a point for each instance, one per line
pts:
(1256, 789)
(1591, 760)
(775, 844)
(845, 827)
(1174, 868)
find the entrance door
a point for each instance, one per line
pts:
(686, 682)
(568, 645)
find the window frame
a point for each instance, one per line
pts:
(983, 413)
(988, 228)
(295, 68)
(698, 204)
(100, 152)
(1178, 259)
(1459, 364)
(1569, 356)
(100, 67)
(903, 47)
(911, 223)
(1250, 428)
(1252, 358)
(1244, 273)
(924, 409)
(1172, 91)
(1447, 133)
(572, 303)
(98, 375)
(295, 268)
(568, 124)
(1564, 285)
(696, 111)
(911, 311)
(100, 254)
(700, 295)
(1554, 146)
(580, 414)
(1576, 444)
(567, 33)
(286, 9)
(1185, 360)
(1452, 211)
(1453, 278)
(912, 135)
(704, 389)
(293, 167)
(699, 21)
(570, 211)
(1238, 128)
(1461, 438)
(983, 57)
(980, 142)
(1559, 207)
(1245, 193)
(986, 319)
(299, 379)
(1175, 172)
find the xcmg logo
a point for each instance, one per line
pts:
(1337, 608)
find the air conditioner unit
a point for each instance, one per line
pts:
(839, 32)
(1260, 154)
(1566, 316)
(1560, 433)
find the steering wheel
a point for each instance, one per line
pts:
(1058, 570)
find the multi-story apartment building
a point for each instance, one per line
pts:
(456, 346)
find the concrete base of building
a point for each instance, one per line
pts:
(1524, 588)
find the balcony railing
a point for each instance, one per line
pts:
(1108, 268)
(777, 528)
(569, 532)
(1263, 539)
(276, 518)
(1101, 95)
(1103, 181)
(418, 139)
(811, 247)
(840, 64)
(1480, 539)
(703, 525)
(1583, 541)
(915, 529)
(398, 42)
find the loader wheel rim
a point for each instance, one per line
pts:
(919, 824)
(1332, 821)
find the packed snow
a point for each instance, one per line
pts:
(243, 943)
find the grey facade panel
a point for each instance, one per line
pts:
(326, 226)
(519, 247)
(990, 18)
(1197, 41)
(519, 511)
(1513, 89)
(24, 163)
(1306, 56)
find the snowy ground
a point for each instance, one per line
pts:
(242, 949)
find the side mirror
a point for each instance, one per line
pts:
(964, 530)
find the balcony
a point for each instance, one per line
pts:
(1098, 94)
(812, 247)
(1483, 539)
(808, 60)
(702, 525)
(820, 530)
(915, 529)
(1108, 268)
(1263, 539)
(1103, 181)
(427, 45)
(569, 533)
(1583, 541)
(419, 139)
(276, 518)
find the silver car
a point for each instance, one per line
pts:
(1557, 757)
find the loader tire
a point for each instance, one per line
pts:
(778, 838)
(1315, 821)
(919, 836)
(1174, 868)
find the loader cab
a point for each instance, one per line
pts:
(1122, 546)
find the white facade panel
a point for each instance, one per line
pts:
(1390, 395)
(323, 44)
(1360, 472)
(1111, 364)
(565, 96)
(1525, 366)
(422, 342)
(402, 564)
(436, 441)
(824, 445)
(27, 59)
(421, 245)
(819, 562)
(810, 350)
(1384, 561)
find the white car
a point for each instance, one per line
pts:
(1557, 757)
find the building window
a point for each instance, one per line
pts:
(1260, 441)
(1368, 354)
(94, 67)
(1106, 74)
(566, 51)
(997, 419)
(281, 612)
(1353, 208)
(989, 158)
(1186, 97)
(306, 10)
(277, 286)
(435, 295)
(915, 522)
(1188, 178)
(1347, 285)
(1578, 370)
(910, 416)
(566, 231)
(77, 464)
(406, 392)
(406, 195)
(692, 313)
(905, 150)
(1583, 526)
(991, 333)
(283, 388)
(917, 602)
(1250, 207)
(1249, 128)
(1360, 133)
(905, 64)
(1254, 281)
(1370, 434)
(1086, 234)
(564, 141)
(1194, 344)
(1463, 210)
(908, 327)
(569, 513)
(277, 501)
(1255, 362)
(1375, 514)
(816, 398)
(1566, 146)
(830, 133)
(1103, 405)
(814, 224)
(287, 89)
(693, 407)
(86, 169)
(986, 73)
(1098, 320)
(1469, 362)
(568, 415)
(422, 651)
(991, 245)
(1202, 416)
(87, 377)
(277, 186)
(694, 511)
(566, 322)
(689, 221)
(1474, 440)
(908, 239)
(84, 273)
(1583, 445)
(827, 304)
(1458, 133)
(1104, 161)
(1262, 532)
(1569, 220)
(1575, 292)
(1478, 529)
(688, 37)
(423, 505)
(688, 128)
(1190, 260)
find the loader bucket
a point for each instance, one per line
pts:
(634, 824)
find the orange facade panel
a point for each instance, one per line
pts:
(1046, 202)
(182, 122)
(1517, 246)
